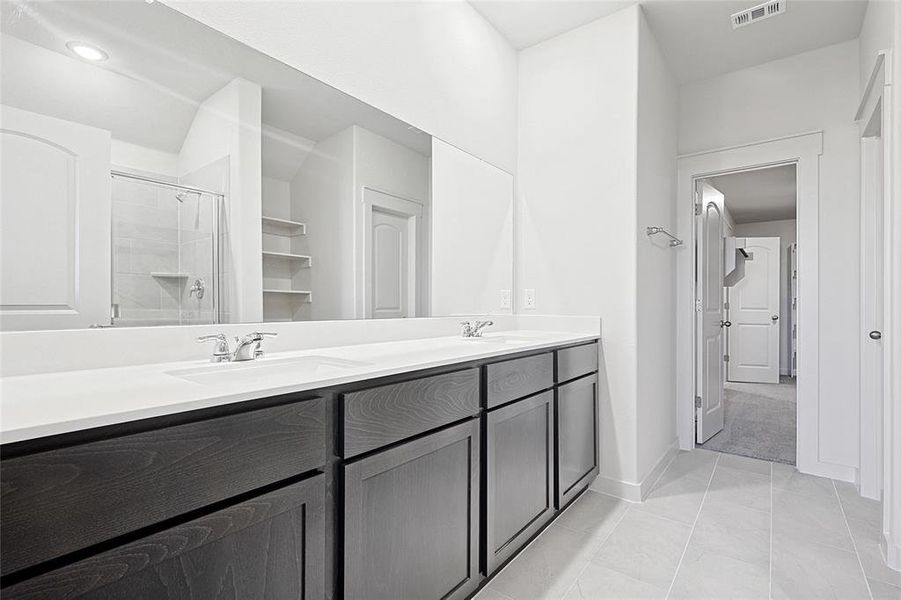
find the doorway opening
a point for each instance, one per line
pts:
(747, 299)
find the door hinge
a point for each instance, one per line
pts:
(697, 208)
(725, 358)
(725, 306)
(697, 402)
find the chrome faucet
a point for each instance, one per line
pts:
(248, 347)
(473, 329)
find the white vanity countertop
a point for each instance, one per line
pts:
(33, 406)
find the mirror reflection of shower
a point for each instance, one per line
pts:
(165, 264)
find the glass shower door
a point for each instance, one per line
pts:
(165, 253)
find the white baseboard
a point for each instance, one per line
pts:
(832, 471)
(636, 492)
(891, 552)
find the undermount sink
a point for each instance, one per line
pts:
(266, 370)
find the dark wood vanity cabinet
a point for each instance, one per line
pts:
(519, 463)
(411, 519)
(414, 487)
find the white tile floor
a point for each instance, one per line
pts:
(716, 526)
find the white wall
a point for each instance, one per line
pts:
(786, 231)
(597, 148)
(472, 233)
(132, 157)
(322, 197)
(816, 90)
(876, 33)
(227, 125)
(656, 283)
(437, 65)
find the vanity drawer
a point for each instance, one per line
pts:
(519, 377)
(383, 415)
(577, 361)
(62, 500)
(269, 546)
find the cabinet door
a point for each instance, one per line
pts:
(520, 474)
(577, 426)
(411, 519)
(271, 546)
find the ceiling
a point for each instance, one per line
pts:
(696, 36)
(759, 195)
(162, 65)
(525, 23)
(698, 41)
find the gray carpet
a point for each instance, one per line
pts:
(759, 421)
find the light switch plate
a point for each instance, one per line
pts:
(506, 299)
(529, 303)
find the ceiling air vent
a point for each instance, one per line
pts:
(758, 13)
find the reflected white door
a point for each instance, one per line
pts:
(393, 255)
(754, 312)
(710, 377)
(54, 223)
(390, 265)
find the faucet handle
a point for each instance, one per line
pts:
(221, 352)
(258, 336)
(466, 329)
(479, 326)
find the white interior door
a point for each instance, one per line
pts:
(710, 376)
(393, 255)
(54, 223)
(754, 312)
(872, 314)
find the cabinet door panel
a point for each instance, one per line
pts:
(411, 519)
(520, 471)
(577, 436)
(272, 546)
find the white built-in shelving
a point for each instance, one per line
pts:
(284, 227)
(286, 268)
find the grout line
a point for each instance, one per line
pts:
(863, 572)
(772, 533)
(693, 525)
(595, 552)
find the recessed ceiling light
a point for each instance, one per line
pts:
(87, 51)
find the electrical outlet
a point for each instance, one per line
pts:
(506, 299)
(529, 303)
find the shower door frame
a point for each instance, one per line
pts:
(217, 225)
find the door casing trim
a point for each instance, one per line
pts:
(804, 150)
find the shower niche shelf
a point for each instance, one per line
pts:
(165, 275)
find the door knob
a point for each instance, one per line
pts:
(875, 335)
(727, 323)
(775, 317)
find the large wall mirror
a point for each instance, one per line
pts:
(158, 172)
